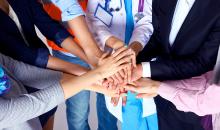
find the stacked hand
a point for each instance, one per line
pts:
(127, 76)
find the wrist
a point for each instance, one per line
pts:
(114, 43)
(140, 70)
(117, 45)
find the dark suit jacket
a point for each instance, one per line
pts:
(194, 51)
(30, 13)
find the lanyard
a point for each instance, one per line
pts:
(106, 4)
(141, 6)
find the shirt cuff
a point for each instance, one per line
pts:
(42, 57)
(146, 69)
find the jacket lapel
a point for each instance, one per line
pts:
(168, 7)
(190, 21)
(11, 26)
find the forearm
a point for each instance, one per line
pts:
(67, 67)
(74, 48)
(73, 84)
(136, 47)
(114, 43)
(86, 40)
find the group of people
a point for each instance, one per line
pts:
(151, 63)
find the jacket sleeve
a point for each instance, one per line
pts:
(17, 49)
(199, 63)
(192, 95)
(21, 108)
(50, 28)
(29, 75)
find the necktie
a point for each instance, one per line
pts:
(132, 112)
(129, 21)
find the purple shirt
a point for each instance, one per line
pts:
(195, 94)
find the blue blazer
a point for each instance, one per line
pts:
(30, 13)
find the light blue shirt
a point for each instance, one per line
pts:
(70, 9)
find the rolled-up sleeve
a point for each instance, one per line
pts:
(70, 9)
(17, 49)
(51, 29)
(143, 29)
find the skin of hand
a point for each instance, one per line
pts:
(137, 73)
(119, 78)
(118, 58)
(108, 66)
(79, 26)
(133, 73)
(145, 88)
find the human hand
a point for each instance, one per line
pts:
(110, 65)
(137, 73)
(145, 88)
(115, 100)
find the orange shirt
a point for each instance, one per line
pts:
(55, 14)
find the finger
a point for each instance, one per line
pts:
(123, 54)
(146, 95)
(122, 73)
(115, 101)
(125, 59)
(114, 87)
(119, 51)
(134, 60)
(123, 95)
(104, 55)
(119, 77)
(115, 79)
(110, 85)
(124, 100)
(112, 100)
(105, 83)
(129, 72)
(131, 88)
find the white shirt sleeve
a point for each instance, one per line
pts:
(146, 69)
(143, 29)
(99, 29)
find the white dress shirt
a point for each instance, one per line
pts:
(182, 9)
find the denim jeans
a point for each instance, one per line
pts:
(106, 121)
(78, 106)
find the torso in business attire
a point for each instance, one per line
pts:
(193, 52)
